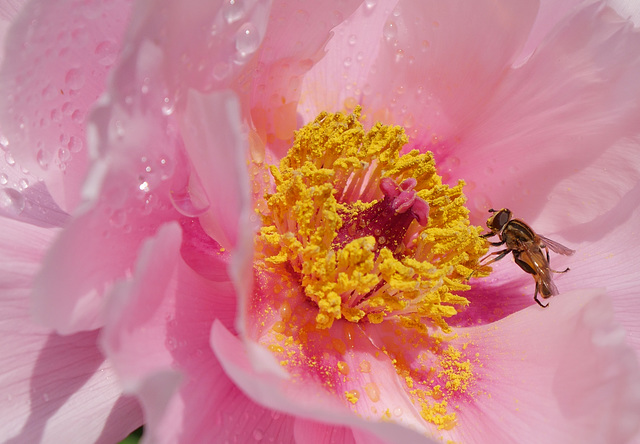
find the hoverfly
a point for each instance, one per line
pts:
(530, 250)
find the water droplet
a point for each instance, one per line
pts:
(106, 52)
(352, 40)
(64, 155)
(8, 157)
(347, 62)
(74, 79)
(221, 70)
(76, 116)
(56, 115)
(258, 435)
(4, 142)
(186, 204)
(370, 4)
(41, 158)
(247, 39)
(233, 10)
(11, 201)
(3, 179)
(171, 344)
(167, 106)
(75, 144)
(390, 30)
(23, 183)
(49, 92)
(144, 186)
(118, 218)
(397, 411)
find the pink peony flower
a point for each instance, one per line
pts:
(139, 141)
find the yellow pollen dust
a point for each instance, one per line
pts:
(319, 227)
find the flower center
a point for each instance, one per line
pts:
(367, 233)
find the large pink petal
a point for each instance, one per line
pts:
(157, 336)
(8, 11)
(627, 8)
(215, 141)
(553, 366)
(551, 119)
(94, 250)
(551, 12)
(290, 48)
(270, 387)
(339, 79)
(54, 388)
(609, 259)
(436, 63)
(60, 57)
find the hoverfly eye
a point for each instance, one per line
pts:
(504, 216)
(499, 219)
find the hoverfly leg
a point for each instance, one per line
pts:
(535, 298)
(499, 255)
(563, 271)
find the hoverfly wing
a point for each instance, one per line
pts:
(555, 246)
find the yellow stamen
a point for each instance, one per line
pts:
(315, 227)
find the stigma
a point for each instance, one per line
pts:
(367, 232)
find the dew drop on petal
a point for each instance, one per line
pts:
(233, 10)
(75, 144)
(118, 219)
(23, 183)
(184, 202)
(41, 158)
(390, 30)
(106, 52)
(167, 106)
(3, 179)
(76, 116)
(8, 157)
(258, 435)
(221, 70)
(11, 201)
(370, 4)
(4, 142)
(74, 79)
(247, 39)
(64, 155)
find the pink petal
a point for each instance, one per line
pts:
(436, 63)
(572, 101)
(215, 141)
(156, 335)
(311, 432)
(8, 11)
(609, 259)
(267, 387)
(67, 52)
(551, 12)
(93, 251)
(553, 366)
(54, 388)
(285, 59)
(627, 9)
(207, 45)
(339, 79)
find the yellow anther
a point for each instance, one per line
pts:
(325, 219)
